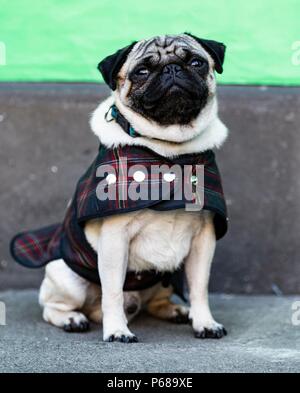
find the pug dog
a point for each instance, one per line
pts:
(165, 88)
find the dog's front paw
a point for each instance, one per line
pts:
(209, 330)
(121, 337)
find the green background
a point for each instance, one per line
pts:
(63, 40)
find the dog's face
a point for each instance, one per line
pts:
(167, 79)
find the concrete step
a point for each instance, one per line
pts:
(46, 145)
(261, 338)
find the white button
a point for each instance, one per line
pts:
(194, 179)
(139, 176)
(169, 177)
(111, 178)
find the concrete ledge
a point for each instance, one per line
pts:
(46, 144)
(261, 338)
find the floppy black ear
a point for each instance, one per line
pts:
(111, 65)
(215, 49)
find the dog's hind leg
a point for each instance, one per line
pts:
(160, 306)
(63, 295)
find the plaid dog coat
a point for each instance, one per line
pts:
(113, 174)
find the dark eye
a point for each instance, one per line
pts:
(196, 63)
(142, 71)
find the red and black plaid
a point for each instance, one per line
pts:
(67, 240)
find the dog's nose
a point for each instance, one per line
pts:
(172, 69)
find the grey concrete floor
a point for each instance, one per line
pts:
(261, 338)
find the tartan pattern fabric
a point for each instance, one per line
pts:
(67, 240)
(120, 161)
(35, 249)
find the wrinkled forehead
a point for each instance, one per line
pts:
(160, 48)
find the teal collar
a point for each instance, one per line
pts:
(120, 119)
